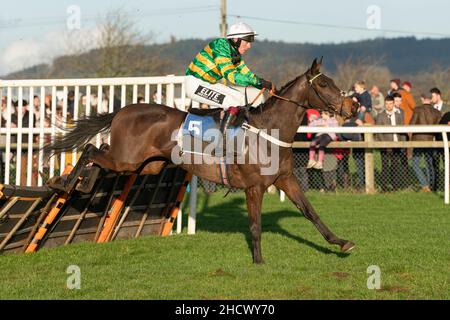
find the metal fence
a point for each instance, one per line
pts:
(371, 166)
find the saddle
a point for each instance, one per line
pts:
(207, 125)
(242, 116)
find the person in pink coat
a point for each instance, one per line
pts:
(321, 140)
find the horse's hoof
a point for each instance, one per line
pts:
(348, 246)
(56, 183)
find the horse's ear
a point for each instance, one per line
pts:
(314, 64)
(315, 67)
(321, 59)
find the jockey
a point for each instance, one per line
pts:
(221, 58)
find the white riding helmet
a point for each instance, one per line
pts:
(241, 30)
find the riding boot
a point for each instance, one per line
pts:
(230, 120)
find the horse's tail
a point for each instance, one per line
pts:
(79, 135)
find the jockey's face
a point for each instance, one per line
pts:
(245, 45)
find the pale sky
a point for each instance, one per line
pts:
(31, 30)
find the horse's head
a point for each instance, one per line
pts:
(323, 94)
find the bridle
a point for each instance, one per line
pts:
(272, 93)
(328, 106)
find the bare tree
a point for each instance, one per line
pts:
(368, 69)
(115, 48)
(439, 77)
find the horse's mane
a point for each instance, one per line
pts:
(271, 100)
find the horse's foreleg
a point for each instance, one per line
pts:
(291, 187)
(254, 201)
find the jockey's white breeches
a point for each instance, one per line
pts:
(220, 95)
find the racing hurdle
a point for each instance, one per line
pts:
(118, 207)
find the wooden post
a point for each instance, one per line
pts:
(223, 16)
(369, 165)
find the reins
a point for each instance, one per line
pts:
(273, 94)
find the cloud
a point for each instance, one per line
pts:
(26, 53)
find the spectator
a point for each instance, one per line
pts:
(408, 104)
(407, 86)
(397, 101)
(377, 101)
(343, 170)
(25, 114)
(357, 153)
(394, 86)
(116, 101)
(321, 139)
(301, 154)
(71, 104)
(48, 105)
(437, 101)
(3, 114)
(438, 154)
(140, 99)
(363, 97)
(445, 120)
(155, 97)
(424, 114)
(391, 158)
(36, 109)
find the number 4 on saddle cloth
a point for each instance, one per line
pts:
(202, 134)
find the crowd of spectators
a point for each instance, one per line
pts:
(396, 107)
(52, 113)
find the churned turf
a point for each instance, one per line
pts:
(405, 234)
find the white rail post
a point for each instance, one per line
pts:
(159, 99)
(180, 219)
(147, 93)
(41, 135)
(446, 169)
(75, 118)
(53, 128)
(135, 93)
(19, 138)
(170, 92)
(192, 205)
(8, 134)
(63, 125)
(30, 136)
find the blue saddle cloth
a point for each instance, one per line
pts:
(205, 128)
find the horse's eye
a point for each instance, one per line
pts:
(323, 84)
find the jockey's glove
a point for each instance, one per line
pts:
(265, 84)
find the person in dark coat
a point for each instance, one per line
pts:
(424, 114)
(392, 159)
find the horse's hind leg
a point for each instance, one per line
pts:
(72, 178)
(290, 186)
(103, 158)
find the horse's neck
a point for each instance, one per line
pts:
(283, 115)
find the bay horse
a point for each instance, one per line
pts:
(141, 142)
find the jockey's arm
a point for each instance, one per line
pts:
(237, 75)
